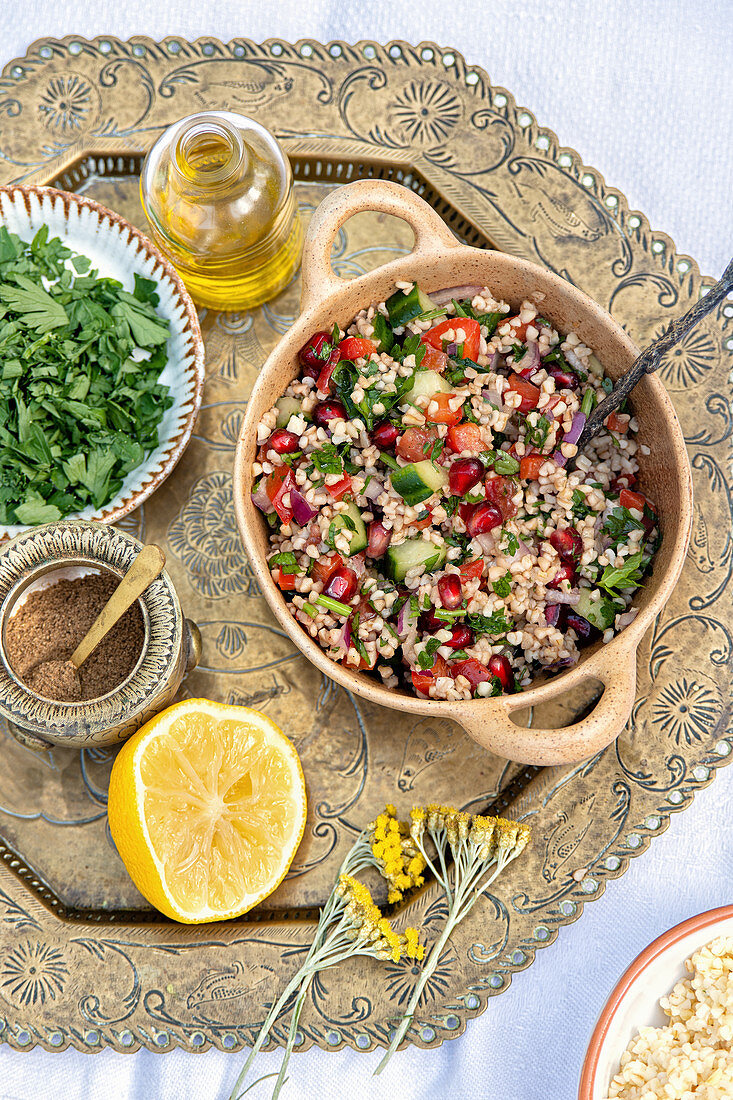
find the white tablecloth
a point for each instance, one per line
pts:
(644, 91)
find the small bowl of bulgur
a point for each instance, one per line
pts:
(410, 492)
(667, 1028)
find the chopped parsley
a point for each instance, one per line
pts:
(287, 561)
(628, 574)
(426, 659)
(503, 586)
(489, 624)
(512, 543)
(536, 434)
(580, 508)
(619, 525)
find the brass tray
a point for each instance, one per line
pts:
(83, 961)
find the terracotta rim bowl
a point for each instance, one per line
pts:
(634, 1001)
(438, 262)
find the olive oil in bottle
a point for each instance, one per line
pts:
(217, 190)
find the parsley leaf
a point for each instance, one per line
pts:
(426, 659)
(503, 586)
(580, 508)
(628, 574)
(489, 624)
(619, 524)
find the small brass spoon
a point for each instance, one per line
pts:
(650, 359)
(148, 565)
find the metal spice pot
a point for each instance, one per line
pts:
(171, 645)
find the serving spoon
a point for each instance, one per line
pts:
(650, 359)
(148, 565)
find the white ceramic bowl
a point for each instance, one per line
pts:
(118, 250)
(634, 1003)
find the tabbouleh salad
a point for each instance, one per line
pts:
(431, 518)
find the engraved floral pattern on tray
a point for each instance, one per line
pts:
(79, 114)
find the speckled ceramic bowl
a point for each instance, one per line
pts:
(438, 262)
(634, 1003)
(118, 250)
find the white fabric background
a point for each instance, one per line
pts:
(644, 90)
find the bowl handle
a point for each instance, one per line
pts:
(432, 235)
(490, 724)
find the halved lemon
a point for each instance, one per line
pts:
(207, 808)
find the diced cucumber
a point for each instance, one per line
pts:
(426, 383)
(403, 307)
(287, 407)
(411, 554)
(418, 481)
(353, 526)
(382, 333)
(601, 613)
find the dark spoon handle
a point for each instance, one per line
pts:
(650, 359)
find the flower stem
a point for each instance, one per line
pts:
(291, 1035)
(427, 971)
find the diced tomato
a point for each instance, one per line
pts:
(285, 581)
(471, 569)
(629, 499)
(500, 490)
(433, 359)
(280, 482)
(519, 328)
(415, 444)
(616, 423)
(623, 481)
(529, 393)
(361, 667)
(475, 672)
(324, 378)
(324, 568)
(472, 329)
(340, 487)
(443, 414)
(424, 522)
(422, 679)
(530, 466)
(355, 347)
(465, 437)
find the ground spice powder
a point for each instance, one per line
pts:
(46, 629)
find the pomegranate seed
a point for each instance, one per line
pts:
(566, 572)
(311, 356)
(328, 410)
(556, 615)
(565, 379)
(428, 622)
(483, 518)
(283, 442)
(384, 435)
(379, 539)
(500, 667)
(342, 585)
(450, 591)
(464, 474)
(460, 637)
(499, 490)
(584, 630)
(568, 544)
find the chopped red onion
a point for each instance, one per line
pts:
(572, 597)
(452, 349)
(303, 513)
(344, 638)
(440, 297)
(627, 617)
(373, 489)
(572, 435)
(559, 458)
(403, 619)
(530, 362)
(261, 500)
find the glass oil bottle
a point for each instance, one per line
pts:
(218, 193)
